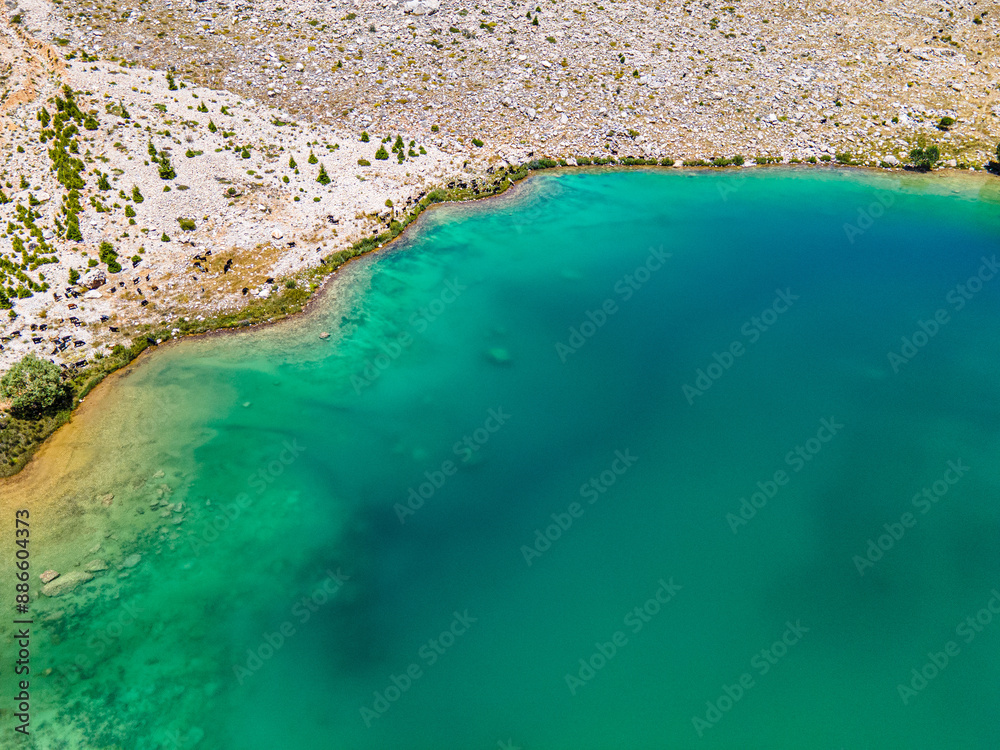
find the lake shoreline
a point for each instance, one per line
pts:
(937, 177)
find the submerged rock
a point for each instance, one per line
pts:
(65, 584)
(95, 566)
(132, 560)
(106, 499)
(498, 355)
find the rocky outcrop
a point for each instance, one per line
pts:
(94, 279)
(64, 584)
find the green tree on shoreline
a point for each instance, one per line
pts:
(32, 386)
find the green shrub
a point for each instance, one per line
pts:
(925, 158)
(212, 127)
(166, 169)
(843, 158)
(477, 142)
(33, 387)
(73, 228)
(364, 136)
(738, 160)
(945, 122)
(164, 237)
(291, 162)
(136, 195)
(323, 178)
(364, 163)
(312, 158)
(382, 153)
(109, 257)
(187, 225)
(74, 276)
(171, 84)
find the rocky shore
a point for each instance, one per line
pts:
(225, 148)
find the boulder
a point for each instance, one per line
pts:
(48, 575)
(422, 7)
(66, 583)
(94, 279)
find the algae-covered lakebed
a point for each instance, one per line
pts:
(622, 459)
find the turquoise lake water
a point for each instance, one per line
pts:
(639, 459)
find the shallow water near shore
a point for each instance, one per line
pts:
(619, 460)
